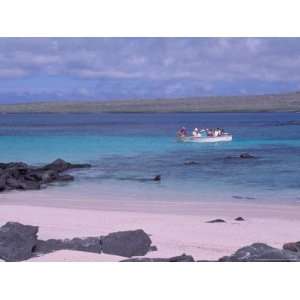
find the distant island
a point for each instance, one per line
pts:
(289, 102)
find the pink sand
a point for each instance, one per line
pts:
(175, 227)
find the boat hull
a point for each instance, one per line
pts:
(192, 139)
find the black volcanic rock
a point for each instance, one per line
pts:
(153, 248)
(180, 258)
(288, 123)
(190, 163)
(294, 246)
(17, 241)
(246, 156)
(237, 197)
(29, 185)
(157, 178)
(123, 243)
(126, 243)
(2, 183)
(48, 246)
(60, 165)
(65, 177)
(88, 244)
(20, 176)
(239, 219)
(260, 252)
(216, 221)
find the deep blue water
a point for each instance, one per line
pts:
(124, 148)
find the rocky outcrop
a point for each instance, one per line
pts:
(123, 243)
(180, 258)
(20, 242)
(88, 244)
(17, 241)
(126, 243)
(59, 165)
(294, 247)
(20, 176)
(260, 252)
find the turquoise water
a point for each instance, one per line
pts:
(124, 149)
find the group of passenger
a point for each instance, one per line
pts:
(202, 132)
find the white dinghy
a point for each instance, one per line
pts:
(206, 139)
(204, 136)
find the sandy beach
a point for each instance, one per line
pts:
(174, 227)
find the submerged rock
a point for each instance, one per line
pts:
(126, 243)
(238, 197)
(260, 252)
(288, 123)
(216, 221)
(17, 241)
(246, 156)
(157, 178)
(241, 197)
(190, 163)
(242, 155)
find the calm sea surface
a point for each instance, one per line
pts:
(125, 149)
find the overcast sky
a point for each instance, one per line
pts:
(34, 69)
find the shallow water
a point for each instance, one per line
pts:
(125, 149)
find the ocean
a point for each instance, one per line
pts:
(127, 149)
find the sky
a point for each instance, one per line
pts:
(40, 69)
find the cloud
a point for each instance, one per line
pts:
(12, 72)
(203, 59)
(178, 66)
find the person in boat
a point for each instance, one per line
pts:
(182, 132)
(209, 132)
(203, 132)
(196, 133)
(214, 132)
(217, 132)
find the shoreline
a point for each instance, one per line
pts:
(175, 227)
(71, 200)
(278, 102)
